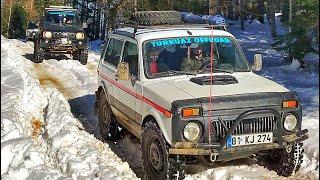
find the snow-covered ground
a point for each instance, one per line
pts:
(48, 129)
(40, 138)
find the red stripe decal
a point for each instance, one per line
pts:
(136, 95)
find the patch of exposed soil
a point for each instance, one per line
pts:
(46, 79)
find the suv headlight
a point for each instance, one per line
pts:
(192, 131)
(80, 36)
(47, 34)
(290, 122)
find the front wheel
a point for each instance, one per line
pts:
(38, 54)
(283, 162)
(83, 56)
(156, 160)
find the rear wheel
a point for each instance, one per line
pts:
(157, 162)
(109, 127)
(38, 54)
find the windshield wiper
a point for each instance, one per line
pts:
(217, 70)
(173, 72)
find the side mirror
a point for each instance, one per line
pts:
(85, 25)
(123, 71)
(257, 62)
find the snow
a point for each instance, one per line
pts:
(40, 138)
(49, 131)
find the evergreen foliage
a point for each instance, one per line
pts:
(18, 22)
(304, 28)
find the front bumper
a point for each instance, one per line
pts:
(219, 149)
(56, 45)
(189, 148)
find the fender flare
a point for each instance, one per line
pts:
(105, 89)
(158, 117)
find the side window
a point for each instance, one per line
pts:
(104, 48)
(130, 55)
(113, 51)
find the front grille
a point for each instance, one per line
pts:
(246, 126)
(64, 35)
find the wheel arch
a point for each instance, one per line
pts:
(103, 88)
(157, 118)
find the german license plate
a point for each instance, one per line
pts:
(64, 41)
(249, 139)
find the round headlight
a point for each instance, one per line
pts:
(192, 131)
(47, 34)
(80, 35)
(290, 122)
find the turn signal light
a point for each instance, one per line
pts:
(188, 112)
(290, 104)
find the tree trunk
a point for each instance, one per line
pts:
(290, 13)
(214, 7)
(261, 10)
(169, 4)
(135, 3)
(271, 6)
(242, 5)
(10, 6)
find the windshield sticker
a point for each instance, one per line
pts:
(183, 41)
(62, 13)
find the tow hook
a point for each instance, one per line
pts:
(288, 148)
(213, 157)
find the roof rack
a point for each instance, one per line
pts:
(60, 7)
(136, 26)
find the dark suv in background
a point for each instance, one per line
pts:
(61, 31)
(32, 31)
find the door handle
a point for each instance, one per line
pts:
(116, 77)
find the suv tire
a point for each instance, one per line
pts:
(284, 163)
(157, 17)
(156, 160)
(108, 125)
(75, 55)
(38, 54)
(83, 56)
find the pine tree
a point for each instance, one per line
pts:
(18, 22)
(305, 21)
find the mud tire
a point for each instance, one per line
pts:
(108, 124)
(285, 164)
(157, 17)
(157, 162)
(38, 54)
(83, 56)
(75, 55)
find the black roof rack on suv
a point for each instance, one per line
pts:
(163, 27)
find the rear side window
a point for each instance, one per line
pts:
(130, 55)
(113, 51)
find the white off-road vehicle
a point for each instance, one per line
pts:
(218, 111)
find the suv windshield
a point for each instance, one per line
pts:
(32, 25)
(191, 55)
(62, 18)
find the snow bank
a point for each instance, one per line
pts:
(40, 138)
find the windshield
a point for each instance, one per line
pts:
(32, 25)
(62, 18)
(191, 55)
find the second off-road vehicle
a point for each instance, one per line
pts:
(218, 111)
(61, 31)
